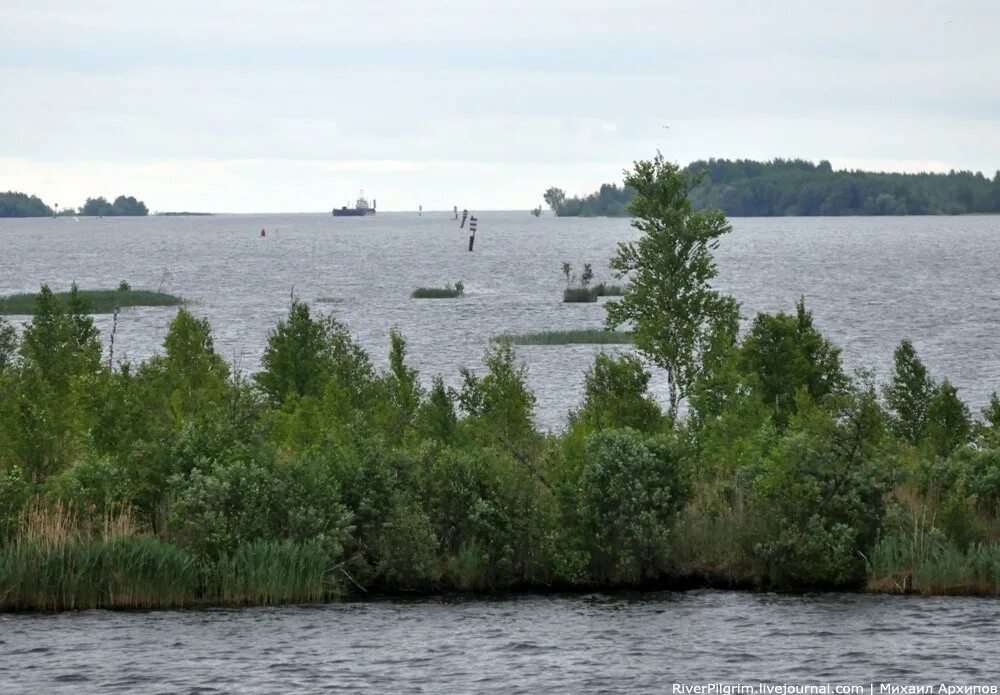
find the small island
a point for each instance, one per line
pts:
(101, 301)
(15, 204)
(447, 292)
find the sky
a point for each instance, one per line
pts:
(295, 105)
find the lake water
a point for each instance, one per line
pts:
(870, 281)
(578, 644)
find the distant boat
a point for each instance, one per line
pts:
(360, 209)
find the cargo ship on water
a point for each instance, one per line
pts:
(360, 209)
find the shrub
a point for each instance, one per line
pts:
(625, 501)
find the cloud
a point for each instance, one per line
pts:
(391, 89)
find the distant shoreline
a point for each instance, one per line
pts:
(183, 214)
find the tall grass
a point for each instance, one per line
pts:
(447, 292)
(273, 572)
(98, 301)
(583, 336)
(591, 294)
(58, 562)
(925, 563)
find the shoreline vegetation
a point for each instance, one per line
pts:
(578, 289)
(181, 482)
(96, 301)
(582, 336)
(446, 292)
(794, 187)
(14, 204)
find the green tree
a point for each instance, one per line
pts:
(554, 198)
(625, 501)
(785, 354)
(909, 394)
(616, 395)
(8, 345)
(436, 417)
(21, 205)
(818, 500)
(949, 424)
(296, 360)
(499, 404)
(669, 301)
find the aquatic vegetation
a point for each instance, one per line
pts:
(447, 292)
(268, 572)
(591, 294)
(593, 336)
(97, 301)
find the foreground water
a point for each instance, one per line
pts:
(580, 644)
(870, 282)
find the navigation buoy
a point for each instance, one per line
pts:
(456, 212)
(465, 215)
(420, 211)
(472, 231)
(263, 233)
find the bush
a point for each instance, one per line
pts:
(625, 502)
(223, 506)
(818, 500)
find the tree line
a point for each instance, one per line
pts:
(748, 188)
(13, 204)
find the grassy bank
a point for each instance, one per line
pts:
(584, 336)
(447, 292)
(98, 301)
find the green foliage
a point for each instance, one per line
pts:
(554, 198)
(499, 404)
(910, 393)
(273, 572)
(97, 301)
(121, 207)
(616, 396)
(610, 200)
(21, 205)
(583, 336)
(129, 572)
(224, 505)
(746, 188)
(626, 500)
(786, 355)
(481, 506)
(436, 418)
(322, 475)
(447, 292)
(8, 345)
(949, 424)
(669, 302)
(313, 357)
(989, 429)
(818, 497)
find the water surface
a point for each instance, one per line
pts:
(870, 281)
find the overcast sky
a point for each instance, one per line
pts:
(292, 105)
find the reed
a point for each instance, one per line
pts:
(98, 301)
(272, 572)
(925, 564)
(583, 336)
(447, 292)
(591, 294)
(127, 572)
